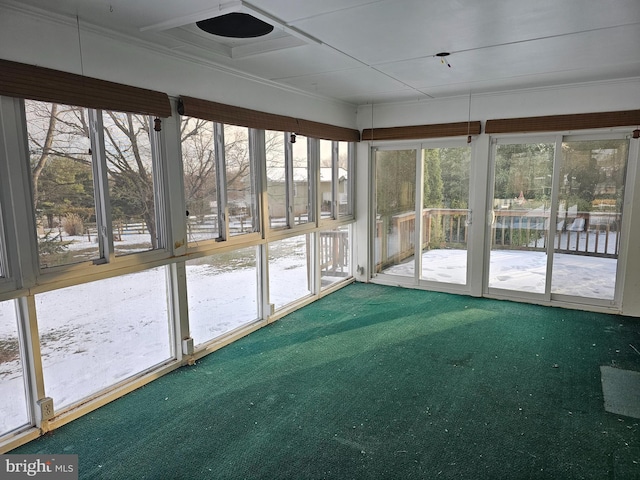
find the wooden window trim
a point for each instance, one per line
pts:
(245, 117)
(44, 84)
(416, 132)
(552, 123)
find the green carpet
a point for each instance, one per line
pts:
(377, 382)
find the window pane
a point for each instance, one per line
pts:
(276, 179)
(395, 212)
(130, 173)
(222, 292)
(345, 196)
(200, 187)
(445, 214)
(326, 178)
(241, 197)
(13, 407)
(62, 181)
(520, 227)
(301, 184)
(590, 196)
(119, 329)
(289, 270)
(335, 248)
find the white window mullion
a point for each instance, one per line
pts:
(174, 193)
(101, 186)
(221, 178)
(313, 193)
(40, 406)
(288, 170)
(159, 182)
(182, 342)
(21, 245)
(553, 214)
(256, 158)
(259, 157)
(418, 222)
(351, 183)
(335, 179)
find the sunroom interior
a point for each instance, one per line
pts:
(165, 191)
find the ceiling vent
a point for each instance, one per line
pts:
(235, 25)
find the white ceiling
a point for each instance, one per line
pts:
(376, 51)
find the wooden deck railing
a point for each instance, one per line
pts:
(441, 228)
(583, 233)
(334, 253)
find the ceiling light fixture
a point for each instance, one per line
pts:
(235, 25)
(442, 60)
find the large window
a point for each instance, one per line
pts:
(93, 187)
(13, 407)
(119, 329)
(222, 293)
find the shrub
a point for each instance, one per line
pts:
(73, 225)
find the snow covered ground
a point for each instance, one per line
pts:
(523, 271)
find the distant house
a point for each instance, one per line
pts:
(277, 192)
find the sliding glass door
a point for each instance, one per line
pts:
(422, 213)
(556, 218)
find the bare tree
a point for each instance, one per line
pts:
(55, 131)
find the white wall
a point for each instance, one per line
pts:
(53, 42)
(584, 98)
